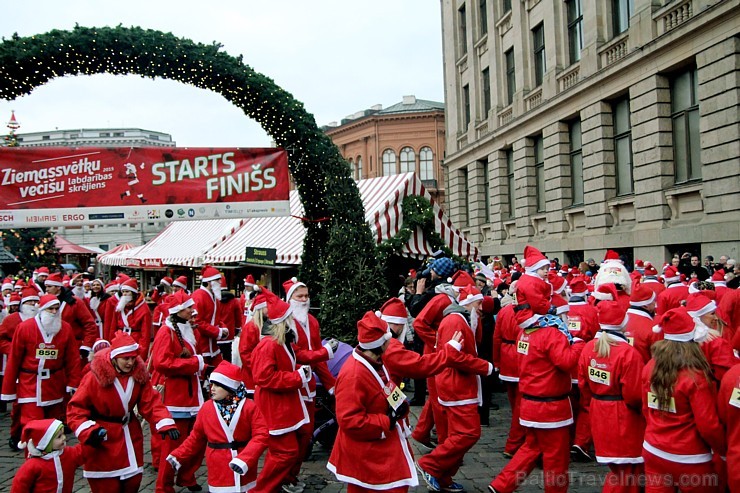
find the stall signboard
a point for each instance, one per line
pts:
(260, 256)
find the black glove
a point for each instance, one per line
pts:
(553, 310)
(84, 353)
(174, 434)
(397, 415)
(160, 289)
(96, 437)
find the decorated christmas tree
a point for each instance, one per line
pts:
(11, 140)
(32, 247)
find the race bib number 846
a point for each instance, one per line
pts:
(599, 376)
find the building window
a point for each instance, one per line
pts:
(623, 145)
(539, 171)
(576, 162)
(483, 16)
(685, 116)
(117, 134)
(359, 167)
(466, 197)
(510, 181)
(462, 31)
(510, 77)
(389, 162)
(486, 79)
(486, 191)
(466, 107)
(408, 160)
(104, 134)
(426, 164)
(538, 38)
(352, 167)
(507, 6)
(575, 29)
(621, 12)
(154, 137)
(46, 137)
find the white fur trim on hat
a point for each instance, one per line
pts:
(378, 342)
(123, 350)
(49, 304)
(285, 315)
(125, 287)
(163, 281)
(296, 284)
(393, 320)
(645, 302)
(184, 305)
(528, 323)
(709, 307)
(224, 380)
(471, 299)
(53, 283)
(30, 298)
(215, 277)
(602, 296)
(619, 327)
(687, 337)
(537, 265)
(179, 285)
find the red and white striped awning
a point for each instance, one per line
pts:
(114, 255)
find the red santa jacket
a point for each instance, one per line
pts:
(207, 321)
(107, 399)
(309, 339)
(159, 314)
(583, 320)
(367, 451)
(689, 430)
(231, 314)
(78, 315)
(719, 354)
(178, 368)
(41, 474)
(671, 298)
(402, 363)
(137, 322)
(278, 387)
(654, 285)
(546, 361)
(504, 345)
(98, 307)
(639, 332)
(248, 340)
(611, 388)
(245, 436)
(427, 321)
(7, 330)
(43, 366)
(461, 385)
(728, 402)
(729, 307)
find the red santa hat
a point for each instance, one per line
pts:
(65, 280)
(54, 279)
(29, 294)
(38, 434)
(19, 285)
(123, 346)
(223, 282)
(121, 278)
(178, 302)
(670, 274)
(166, 280)
(228, 376)
(611, 255)
(488, 306)
(43, 271)
(112, 287)
(249, 280)
(642, 296)
(278, 310)
(650, 271)
(47, 301)
(460, 279)
(676, 325)
(606, 292)
(639, 264)
(372, 332)
(99, 345)
(7, 283)
(181, 282)
(260, 301)
(536, 292)
(15, 299)
(558, 283)
(394, 311)
(553, 265)
(468, 295)
(290, 286)
(130, 285)
(209, 273)
(412, 273)
(533, 259)
(698, 305)
(578, 288)
(612, 315)
(718, 277)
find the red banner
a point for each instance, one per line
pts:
(61, 186)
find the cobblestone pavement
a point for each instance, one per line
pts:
(481, 463)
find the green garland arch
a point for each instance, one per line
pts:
(332, 246)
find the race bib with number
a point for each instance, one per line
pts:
(574, 325)
(394, 396)
(653, 403)
(46, 353)
(522, 347)
(735, 398)
(599, 376)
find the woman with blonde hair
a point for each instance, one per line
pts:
(680, 407)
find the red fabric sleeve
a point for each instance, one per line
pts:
(631, 380)
(87, 321)
(562, 354)
(258, 442)
(703, 400)
(400, 361)
(196, 439)
(352, 415)
(166, 362)
(72, 363)
(266, 373)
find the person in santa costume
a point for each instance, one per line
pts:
(75, 312)
(639, 329)
(132, 316)
(7, 288)
(459, 391)
(231, 314)
(728, 401)
(210, 328)
(162, 290)
(98, 301)
(180, 284)
(101, 413)
(729, 307)
(251, 335)
(282, 374)
(39, 282)
(613, 271)
(371, 452)
(547, 355)
(251, 289)
(675, 293)
(44, 364)
(651, 281)
(51, 465)
(234, 431)
(179, 368)
(717, 350)
(609, 375)
(14, 305)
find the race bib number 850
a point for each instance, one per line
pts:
(47, 353)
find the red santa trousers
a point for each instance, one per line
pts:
(305, 433)
(15, 421)
(554, 446)
(115, 485)
(282, 454)
(516, 430)
(186, 474)
(422, 431)
(624, 478)
(581, 430)
(353, 488)
(463, 431)
(664, 476)
(156, 441)
(30, 411)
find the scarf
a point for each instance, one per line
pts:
(554, 321)
(227, 407)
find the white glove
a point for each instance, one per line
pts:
(334, 344)
(305, 372)
(173, 462)
(224, 333)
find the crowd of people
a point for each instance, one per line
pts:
(635, 367)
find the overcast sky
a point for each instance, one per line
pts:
(336, 56)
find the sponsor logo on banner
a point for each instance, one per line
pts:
(153, 214)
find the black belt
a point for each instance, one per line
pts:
(545, 399)
(111, 419)
(523, 306)
(607, 397)
(227, 445)
(45, 371)
(508, 341)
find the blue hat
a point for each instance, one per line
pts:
(444, 267)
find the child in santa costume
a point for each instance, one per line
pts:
(133, 317)
(717, 350)
(44, 364)
(609, 375)
(51, 465)
(547, 355)
(728, 402)
(101, 413)
(179, 368)
(680, 406)
(234, 431)
(210, 328)
(250, 336)
(371, 451)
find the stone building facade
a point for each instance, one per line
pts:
(582, 125)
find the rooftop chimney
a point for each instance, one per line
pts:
(407, 100)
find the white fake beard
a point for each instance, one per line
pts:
(94, 303)
(701, 331)
(28, 311)
(187, 332)
(51, 323)
(300, 311)
(474, 320)
(216, 288)
(125, 300)
(79, 291)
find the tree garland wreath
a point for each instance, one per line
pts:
(336, 232)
